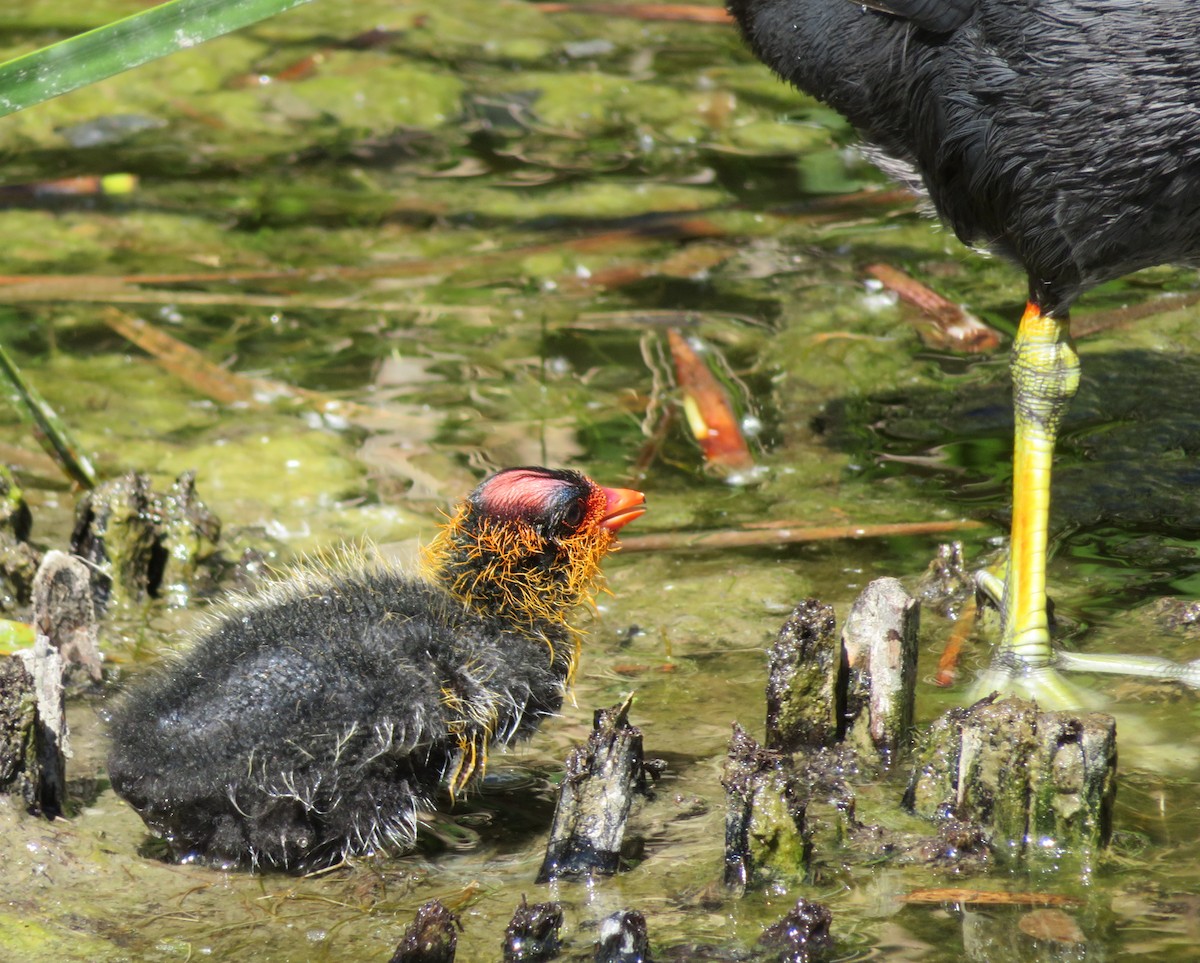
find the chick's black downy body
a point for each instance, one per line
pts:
(320, 717)
(1063, 134)
(280, 751)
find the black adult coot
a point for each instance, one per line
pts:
(1062, 134)
(317, 718)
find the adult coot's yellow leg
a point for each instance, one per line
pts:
(1045, 373)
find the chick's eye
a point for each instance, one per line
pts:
(573, 515)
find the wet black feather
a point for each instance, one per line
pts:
(1063, 134)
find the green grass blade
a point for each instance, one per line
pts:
(119, 46)
(47, 427)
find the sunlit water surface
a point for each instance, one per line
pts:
(489, 207)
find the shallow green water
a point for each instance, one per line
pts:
(490, 145)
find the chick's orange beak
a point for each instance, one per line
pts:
(622, 506)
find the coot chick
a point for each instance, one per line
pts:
(318, 717)
(1062, 134)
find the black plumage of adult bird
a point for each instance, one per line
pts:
(318, 718)
(1061, 134)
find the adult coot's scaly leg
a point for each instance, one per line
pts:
(1045, 373)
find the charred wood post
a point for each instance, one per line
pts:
(18, 559)
(597, 792)
(33, 720)
(623, 939)
(118, 531)
(532, 935)
(48, 733)
(1074, 780)
(140, 543)
(800, 937)
(880, 645)
(1039, 783)
(64, 631)
(63, 611)
(1000, 779)
(190, 533)
(806, 683)
(765, 832)
(432, 937)
(20, 762)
